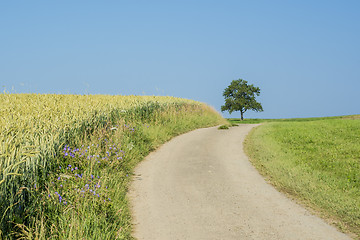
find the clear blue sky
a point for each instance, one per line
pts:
(304, 55)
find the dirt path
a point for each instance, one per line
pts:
(201, 186)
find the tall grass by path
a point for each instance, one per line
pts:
(66, 160)
(317, 162)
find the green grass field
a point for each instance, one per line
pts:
(316, 161)
(260, 120)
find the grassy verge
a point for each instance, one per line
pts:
(317, 162)
(74, 185)
(263, 120)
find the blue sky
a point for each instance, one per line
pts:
(304, 55)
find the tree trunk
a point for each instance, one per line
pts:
(242, 115)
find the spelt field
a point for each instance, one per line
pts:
(66, 160)
(316, 161)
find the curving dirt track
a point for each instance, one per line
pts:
(200, 185)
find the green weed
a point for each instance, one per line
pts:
(223, 127)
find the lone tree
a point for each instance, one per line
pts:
(239, 96)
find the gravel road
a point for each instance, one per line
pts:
(200, 185)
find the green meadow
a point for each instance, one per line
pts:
(314, 160)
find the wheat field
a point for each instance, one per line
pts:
(34, 128)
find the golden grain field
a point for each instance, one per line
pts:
(34, 127)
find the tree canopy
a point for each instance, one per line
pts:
(240, 96)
